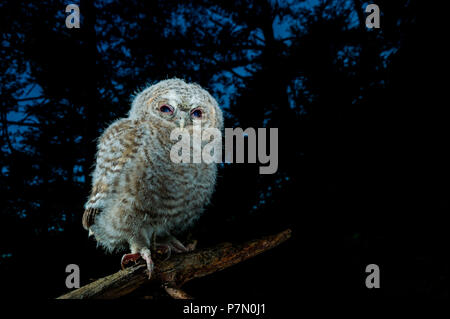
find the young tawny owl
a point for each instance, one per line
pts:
(140, 198)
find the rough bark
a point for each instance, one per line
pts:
(179, 269)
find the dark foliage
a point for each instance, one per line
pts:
(363, 173)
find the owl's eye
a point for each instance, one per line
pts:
(166, 108)
(196, 113)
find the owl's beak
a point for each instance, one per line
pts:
(181, 122)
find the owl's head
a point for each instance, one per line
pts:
(175, 103)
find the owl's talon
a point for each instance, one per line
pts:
(129, 257)
(164, 249)
(145, 254)
(150, 268)
(191, 246)
(177, 246)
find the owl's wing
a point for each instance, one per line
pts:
(117, 146)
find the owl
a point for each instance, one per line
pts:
(140, 198)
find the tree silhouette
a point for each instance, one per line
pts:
(346, 99)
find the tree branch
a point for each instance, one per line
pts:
(20, 123)
(30, 98)
(178, 270)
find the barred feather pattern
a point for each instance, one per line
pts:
(137, 191)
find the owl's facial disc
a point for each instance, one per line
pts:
(181, 111)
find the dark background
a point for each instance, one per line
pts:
(363, 135)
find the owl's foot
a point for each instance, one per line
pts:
(164, 249)
(191, 246)
(129, 257)
(144, 254)
(175, 245)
